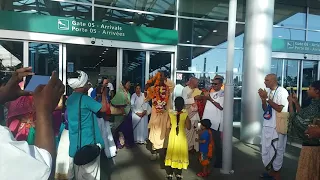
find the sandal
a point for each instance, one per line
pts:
(179, 177)
(169, 177)
(202, 174)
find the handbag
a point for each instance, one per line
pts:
(87, 153)
(282, 122)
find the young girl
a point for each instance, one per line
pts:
(177, 152)
(205, 146)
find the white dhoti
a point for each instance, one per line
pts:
(192, 133)
(89, 171)
(273, 148)
(62, 161)
(110, 147)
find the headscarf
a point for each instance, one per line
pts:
(79, 82)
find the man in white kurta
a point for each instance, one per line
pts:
(214, 112)
(191, 107)
(273, 143)
(18, 160)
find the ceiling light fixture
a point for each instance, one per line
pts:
(99, 56)
(131, 22)
(199, 36)
(33, 10)
(188, 41)
(215, 31)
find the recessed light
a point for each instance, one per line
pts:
(107, 49)
(99, 56)
(104, 51)
(215, 31)
(102, 59)
(188, 41)
(280, 36)
(33, 10)
(131, 22)
(199, 36)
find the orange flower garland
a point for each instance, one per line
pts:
(160, 95)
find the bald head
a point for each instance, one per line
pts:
(193, 82)
(271, 81)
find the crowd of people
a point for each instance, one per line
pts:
(63, 137)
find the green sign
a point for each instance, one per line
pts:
(82, 28)
(294, 46)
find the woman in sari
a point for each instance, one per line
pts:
(139, 116)
(159, 89)
(21, 117)
(123, 134)
(300, 120)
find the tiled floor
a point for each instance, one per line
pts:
(134, 164)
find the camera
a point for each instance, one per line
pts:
(305, 56)
(93, 40)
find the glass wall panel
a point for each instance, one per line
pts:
(11, 58)
(291, 34)
(313, 19)
(160, 61)
(313, 36)
(276, 68)
(53, 8)
(206, 59)
(202, 32)
(133, 67)
(132, 18)
(289, 16)
(241, 10)
(157, 6)
(44, 58)
(211, 9)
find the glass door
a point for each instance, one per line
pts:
(295, 74)
(309, 75)
(134, 68)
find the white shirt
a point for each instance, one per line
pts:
(280, 97)
(90, 91)
(178, 91)
(110, 86)
(18, 160)
(187, 95)
(214, 114)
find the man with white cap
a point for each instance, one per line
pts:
(89, 132)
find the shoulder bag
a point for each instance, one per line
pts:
(87, 153)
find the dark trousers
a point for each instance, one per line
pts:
(216, 135)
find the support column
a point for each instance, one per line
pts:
(229, 93)
(256, 64)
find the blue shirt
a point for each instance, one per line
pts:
(94, 94)
(89, 108)
(204, 147)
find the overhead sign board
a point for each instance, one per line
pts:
(83, 28)
(295, 46)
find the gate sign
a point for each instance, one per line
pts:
(295, 46)
(83, 28)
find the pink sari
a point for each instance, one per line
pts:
(21, 117)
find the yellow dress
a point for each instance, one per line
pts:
(177, 152)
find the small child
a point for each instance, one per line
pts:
(177, 152)
(205, 146)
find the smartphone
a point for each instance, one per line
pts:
(32, 82)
